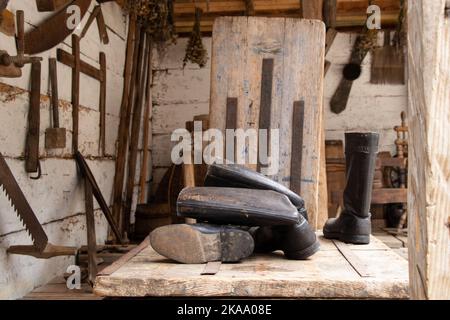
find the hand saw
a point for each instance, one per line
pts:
(55, 29)
(21, 206)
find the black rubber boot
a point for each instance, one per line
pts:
(298, 242)
(238, 176)
(201, 243)
(353, 224)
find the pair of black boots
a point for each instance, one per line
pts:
(274, 217)
(239, 211)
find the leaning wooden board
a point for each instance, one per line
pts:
(296, 46)
(360, 272)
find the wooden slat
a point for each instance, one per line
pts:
(389, 195)
(429, 154)
(67, 59)
(327, 274)
(298, 122)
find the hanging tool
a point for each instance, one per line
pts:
(41, 248)
(55, 29)
(10, 66)
(133, 40)
(50, 5)
(73, 61)
(32, 163)
(136, 125)
(54, 137)
(87, 174)
(97, 14)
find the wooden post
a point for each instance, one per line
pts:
(312, 9)
(429, 150)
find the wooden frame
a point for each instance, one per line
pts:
(429, 155)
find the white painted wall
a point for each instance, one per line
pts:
(57, 198)
(179, 94)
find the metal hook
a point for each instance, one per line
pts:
(39, 175)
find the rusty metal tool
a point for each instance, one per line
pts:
(55, 29)
(97, 14)
(54, 137)
(87, 174)
(32, 141)
(41, 248)
(50, 5)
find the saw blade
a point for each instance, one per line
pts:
(21, 206)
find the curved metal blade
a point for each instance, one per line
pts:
(21, 206)
(54, 30)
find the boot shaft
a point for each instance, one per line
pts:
(360, 155)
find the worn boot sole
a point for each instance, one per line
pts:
(347, 238)
(186, 244)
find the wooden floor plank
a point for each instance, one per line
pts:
(326, 275)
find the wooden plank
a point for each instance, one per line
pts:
(67, 59)
(389, 195)
(297, 48)
(75, 90)
(125, 258)
(359, 266)
(136, 126)
(211, 268)
(125, 115)
(429, 155)
(326, 275)
(102, 105)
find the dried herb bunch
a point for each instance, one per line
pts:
(156, 16)
(195, 51)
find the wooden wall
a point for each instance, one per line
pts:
(429, 154)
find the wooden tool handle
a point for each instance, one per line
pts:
(20, 32)
(54, 85)
(32, 144)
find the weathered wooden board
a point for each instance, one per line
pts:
(328, 274)
(296, 47)
(429, 155)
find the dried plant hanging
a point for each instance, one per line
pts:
(195, 51)
(156, 16)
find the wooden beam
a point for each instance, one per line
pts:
(312, 9)
(249, 7)
(330, 13)
(429, 155)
